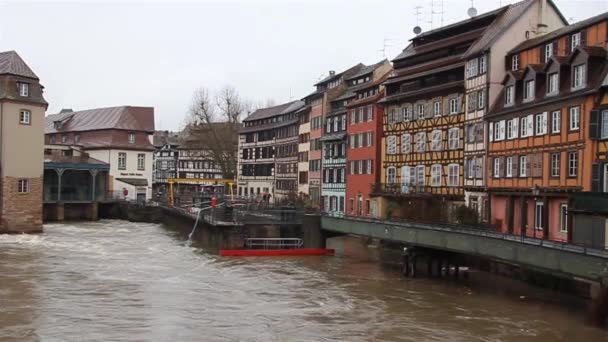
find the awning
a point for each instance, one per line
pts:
(134, 181)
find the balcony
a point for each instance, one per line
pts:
(403, 190)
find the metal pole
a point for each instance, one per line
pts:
(59, 174)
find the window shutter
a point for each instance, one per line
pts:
(459, 101)
(594, 124)
(544, 123)
(502, 125)
(446, 106)
(555, 47)
(584, 38)
(428, 109)
(530, 123)
(568, 44)
(515, 127)
(501, 171)
(515, 166)
(478, 167)
(479, 132)
(528, 168)
(491, 131)
(490, 167)
(595, 178)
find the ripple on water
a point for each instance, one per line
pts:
(115, 280)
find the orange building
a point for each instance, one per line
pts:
(542, 130)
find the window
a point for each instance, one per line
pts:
(407, 113)
(604, 133)
(437, 108)
(454, 138)
(538, 215)
(420, 175)
(420, 142)
(555, 164)
(131, 138)
(509, 166)
(482, 64)
(575, 41)
(25, 117)
(472, 101)
(556, 121)
(76, 138)
(370, 166)
(122, 161)
(420, 111)
(436, 140)
(370, 113)
(541, 123)
(407, 177)
(343, 122)
(529, 90)
(572, 164)
(370, 138)
(391, 142)
(578, 79)
(481, 99)
(453, 174)
(509, 129)
(64, 138)
(360, 167)
(563, 217)
(472, 68)
(548, 51)
(23, 186)
(436, 175)
(496, 167)
(336, 123)
(509, 95)
(553, 83)
(406, 143)
(390, 179)
(353, 116)
(524, 127)
(523, 166)
(24, 89)
(141, 161)
(454, 106)
(515, 62)
(575, 118)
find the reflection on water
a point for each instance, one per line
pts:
(115, 280)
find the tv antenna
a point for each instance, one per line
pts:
(472, 11)
(384, 46)
(417, 28)
(433, 12)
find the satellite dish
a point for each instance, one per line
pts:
(472, 12)
(417, 30)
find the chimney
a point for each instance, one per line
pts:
(541, 26)
(66, 110)
(332, 72)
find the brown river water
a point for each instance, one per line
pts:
(121, 281)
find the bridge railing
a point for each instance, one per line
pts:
(484, 231)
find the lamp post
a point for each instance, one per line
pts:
(535, 193)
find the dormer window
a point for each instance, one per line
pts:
(24, 89)
(575, 41)
(578, 76)
(509, 95)
(131, 138)
(515, 62)
(552, 83)
(548, 51)
(57, 124)
(529, 90)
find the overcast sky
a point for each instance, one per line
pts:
(99, 54)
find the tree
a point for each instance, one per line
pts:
(214, 121)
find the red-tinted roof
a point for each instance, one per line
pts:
(123, 118)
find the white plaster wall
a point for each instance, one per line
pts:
(131, 171)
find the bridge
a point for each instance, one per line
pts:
(558, 258)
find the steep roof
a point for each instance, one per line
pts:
(11, 63)
(337, 75)
(269, 112)
(367, 69)
(559, 32)
(123, 118)
(439, 30)
(162, 138)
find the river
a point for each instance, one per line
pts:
(121, 281)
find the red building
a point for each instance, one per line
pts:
(364, 131)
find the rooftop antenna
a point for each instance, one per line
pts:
(384, 46)
(417, 28)
(472, 11)
(433, 12)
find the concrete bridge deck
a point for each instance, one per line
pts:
(559, 258)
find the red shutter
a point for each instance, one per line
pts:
(501, 171)
(515, 164)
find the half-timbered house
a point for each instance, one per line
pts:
(543, 128)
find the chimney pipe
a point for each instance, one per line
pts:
(541, 27)
(332, 72)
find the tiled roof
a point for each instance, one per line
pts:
(504, 21)
(295, 106)
(11, 63)
(268, 112)
(412, 50)
(346, 72)
(162, 138)
(459, 23)
(559, 32)
(123, 118)
(367, 69)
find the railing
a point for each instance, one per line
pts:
(273, 243)
(481, 230)
(397, 189)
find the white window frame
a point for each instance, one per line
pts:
(453, 175)
(540, 124)
(496, 168)
(391, 177)
(510, 129)
(454, 138)
(25, 117)
(453, 105)
(523, 160)
(141, 161)
(131, 138)
(529, 87)
(555, 164)
(509, 95)
(369, 167)
(556, 121)
(572, 163)
(436, 140)
(548, 51)
(24, 89)
(23, 185)
(481, 98)
(437, 108)
(509, 166)
(421, 142)
(553, 83)
(574, 118)
(436, 175)
(482, 64)
(575, 40)
(563, 217)
(122, 160)
(538, 215)
(515, 62)
(420, 111)
(370, 113)
(420, 175)
(578, 76)
(472, 67)
(604, 125)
